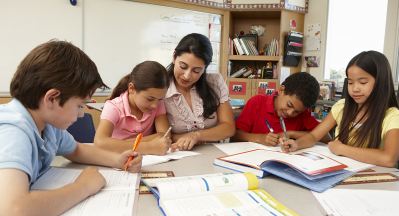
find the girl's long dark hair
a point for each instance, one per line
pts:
(382, 97)
(200, 46)
(148, 74)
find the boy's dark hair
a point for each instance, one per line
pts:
(201, 47)
(148, 74)
(304, 86)
(382, 97)
(55, 64)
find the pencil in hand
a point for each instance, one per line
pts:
(135, 145)
(167, 132)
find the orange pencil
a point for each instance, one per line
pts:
(135, 145)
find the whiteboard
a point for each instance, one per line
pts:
(120, 34)
(116, 34)
(25, 24)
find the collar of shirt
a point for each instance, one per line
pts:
(128, 111)
(172, 90)
(270, 103)
(17, 107)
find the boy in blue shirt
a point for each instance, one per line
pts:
(49, 90)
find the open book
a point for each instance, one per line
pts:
(215, 194)
(307, 168)
(116, 198)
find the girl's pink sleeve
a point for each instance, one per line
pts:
(110, 112)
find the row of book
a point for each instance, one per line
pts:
(244, 46)
(272, 48)
(264, 72)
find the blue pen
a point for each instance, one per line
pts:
(268, 126)
(282, 124)
(283, 127)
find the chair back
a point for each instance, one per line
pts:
(83, 129)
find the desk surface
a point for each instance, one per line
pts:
(295, 197)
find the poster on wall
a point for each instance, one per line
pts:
(312, 37)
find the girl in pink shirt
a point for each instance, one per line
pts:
(136, 106)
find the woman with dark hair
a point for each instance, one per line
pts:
(197, 103)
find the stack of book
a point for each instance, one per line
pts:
(293, 48)
(245, 46)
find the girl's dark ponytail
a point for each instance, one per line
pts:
(121, 87)
(148, 74)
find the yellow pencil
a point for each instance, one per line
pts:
(135, 145)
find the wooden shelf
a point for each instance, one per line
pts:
(254, 58)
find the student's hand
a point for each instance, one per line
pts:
(335, 146)
(134, 165)
(288, 145)
(186, 142)
(91, 179)
(271, 139)
(161, 145)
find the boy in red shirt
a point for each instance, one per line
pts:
(292, 102)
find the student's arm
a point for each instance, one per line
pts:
(88, 154)
(299, 134)
(387, 156)
(225, 128)
(161, 126)
(17, 199)
(270, 139)
(103, 139)
(309, 139)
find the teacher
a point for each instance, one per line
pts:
(197, 103)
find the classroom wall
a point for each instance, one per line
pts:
(318, 13)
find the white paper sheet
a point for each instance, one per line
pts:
(352, 202)
(156, 159)
(237, 147)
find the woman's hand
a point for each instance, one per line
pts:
(187, 141)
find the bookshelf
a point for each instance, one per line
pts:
(277, 25)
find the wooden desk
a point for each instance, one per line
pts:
(293, 196)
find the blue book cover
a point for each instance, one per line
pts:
(318, 184)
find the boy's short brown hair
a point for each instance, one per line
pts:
(55, 64)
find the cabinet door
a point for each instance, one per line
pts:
(239, 88)
(25, 24)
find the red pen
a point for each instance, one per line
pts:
(135, 145)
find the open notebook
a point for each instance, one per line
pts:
(215, 194)
(118, 197)
(313, 168)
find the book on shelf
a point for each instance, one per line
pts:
(311, 169)
(215, 194)
(271, 49)
(237, 45)
(295, 44)
(245, 48)
(119, 194)
(291, 53)
(239, 72)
